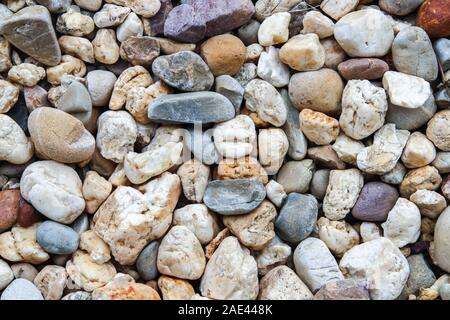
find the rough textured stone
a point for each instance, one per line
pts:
(438, 130)
(274, 254)
(124, 287)
(318, 127)
(427, 178)
(420, 276)
(347, 289)
(405, 90)
(295, 176)
(303, 53)
(339, 236)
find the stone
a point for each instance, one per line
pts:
(271, 69)
(181, 255)
(334, 54)
(399, 8)
(19, 245)
(363, 69)
(57, 238)
(364, 108)
(319, 90)
(98, 250)
(342, 193)
(437, 130)
(131, 27)
(303, 53)
(110, 15)
(235, 138)
(266, 8)
(27, 215)
(364, 33)
(75, 100)
(295, 176)
(444, 291)
(241, 168)
(255, 229)
(326, 157)
(24, 270)
(140, 167)
(297, 217)
(21, 289)
(17, 148)
(139, 50)
(247, 73)
(9, 94)
(175, 289)
(6, 275)
(199, 220)
(146, 217)
(69, 66)
(412, 53)
(9, 208)
(222, 280)
(234, 197)
(420, 276)
(347, 149)
(194, 177)
(37, 39)
(427, 178)
(264, 99)
(74, 23)
(441, 48)
(124, 287)
(231, 89)
(274, 29)
(315, 265)
(434, 18)
(72, 143)
(204, 107)
(146, 262)
(347, 289)
(275, 192)
(281, 283)
(319, 183)
(95, 190)
(5, 56)
(381, 264)
(248, 33)
(441, 162)
(224, 54)
(318, 127)
(35, 97)
(273, 146)
(54, 189)
(396, 175)
(418, 152)
(411, 119)
(184, 24)
(375, 201)
(51, 281)
(369, 231)
(403, 223)
(445, 187)
(441, 241)
(382, 156)
(338, 9)
(26, 74)
(106, 49)
(172, 70)
(405, 90)
(77, 47)
(100, 84)
(430, 203)
(318, 23)
(339, 236)
(88, 4)
(274, 254)
(156, 23)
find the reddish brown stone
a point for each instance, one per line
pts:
(326, 157)
(9, 208)
(35, 97)
(434, 18)
(27, 215)
(364, 69)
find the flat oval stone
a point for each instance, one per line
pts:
(184, 70)
(233, 197)
(297, 217)
(195, 107)
(363, 69)
(146, 262)
(57, 238)
(375, 201)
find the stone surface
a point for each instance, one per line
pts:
(274, 254)
(98, 250)
(16, 147)
(175, 289)
(9, 208)
(427, 178)
(194, 177)
(274, 29)
(9, 94)
(241, 168)
(271, 69)
(57, 238)
(6, 275)
(297, 141)
(347, 289)
(139, 50)
(420, 276)
(295, 176)
(51, 281)
(437, 130)
(235, 138)
(399, 8)
(418, 152)
(318, 23)
(363, 69)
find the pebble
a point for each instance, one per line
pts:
(51, 281)
(347, 289)
(9, 208)
(273, 146)
(275, 253)
(375, 201)
(16, 147)
(441, 48)
(271, 69)
(139, 50)
(295, 176)
(98, 250)
(399, 8)
(281, 283)
(9, 94)
(343, 189)
(26, 74)
(6, 275)
(75, 100)
(411, 119)
(434, 18)
(56, 238)
(319, 183)
(405, 90)
(95, 190)
(334, 55)
(21, 289)
(222, 280)
(381, 264)
(78, 47)
(418, 152)
(131, 26)
(172, 70)
(427, 178)
(241, 168)
(363, 69)
(303, 53)
(315, 265)
(248, 33)
(231, 89)
(24, 270)
(275, 192)
(444, 291)
(437, 130)
(430, 203)
(146, 263)
(110, 15)
(124, 287)
(347, 149)
(106, 49)
(74, 23)
(204, 107)
(420, 276)
(234, 197)
(325, 156)
(441, 241)
(235, 138)
(274, 29)
(318, 127)
(318, 23)
(338, 9)
(339, 236)
(194, 177)
(175, 289)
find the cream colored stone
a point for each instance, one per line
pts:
(438, 130)
(175, 289)
(347, 149)
(369, 231)
(106, 49)
(430, 203)
(124, 287)
(338, 8)
(427, 178)
(339, 236)
(20, 245)
(303, 53)
(68, 66)
(318, 127)
(273, 146)
(222, 280)
(194, 177)
(274, 29)
(235, 138)
(418, 152)
(343, 190)
(9, 94)
(263, 98)
(94, 245)
(275, 192)
(6, 274)
(110, 15)
(132, 26)
(26, 74)
(405, 90)
(274, 254)
(75, 23)
(78, 47)
(241, 168)
(53, 189)
(118, 177)
(364, 108)
(87, 274)
(95, 190)
(144, 8)
(15, 147)
(271, 69)
(442, 240)
(266, 8)
(382, 156)
(318, 23)
(5, 55)
(181, 255)
(51, 281)
(116, 135)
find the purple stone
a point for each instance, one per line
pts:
(375, 201)
(157, 21)
(183, 24)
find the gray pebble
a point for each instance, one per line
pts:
(442, 162)
(420, 276)
(442, 49)
(81, 224)
(248, 33)
(57, 238)
(56, 6)
(248, 72)
(21, 289)
(146, 262)
(201, 144)
(319, 183)
(411, 119)
(230, 88)
(442, 98)
(399, 8)
(444, 291)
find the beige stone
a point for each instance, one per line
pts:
(175, 289)
(274, 29)
(318, 127)
(241, 168)
(110, 15)
(427, 178)
(369, 231)
(144, 8)
(438, 130)
(15, 148)
(442, 240)
(430, 203)
(94, 245)
(75, 23)
(338, 8)
(95, 190)
(405, 90)
(274, 254)
(347, 149)
(318, 23)
(5, 55)
(124, 287)
(418, 152)
(106, 49)
(68, 66)
(273, 146)
(26, 74)
(9, 94)
(339, 236)
(51, 281)
(303, 53)
(78, 47)
(194, 177)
